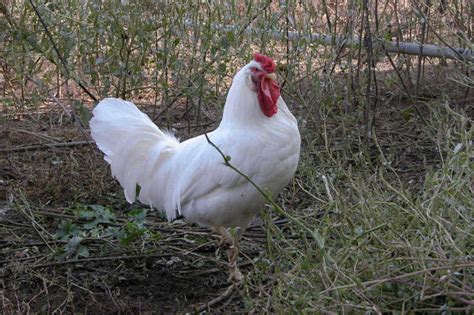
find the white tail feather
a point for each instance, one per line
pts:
(133, 145)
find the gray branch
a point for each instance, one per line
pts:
(427, 50)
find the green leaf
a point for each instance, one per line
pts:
(66, 229)
(138, 215)
(102, 212)
(86, 214)
(72, 246)
(91, 225)
(83, 251)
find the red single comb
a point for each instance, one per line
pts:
(267, 63)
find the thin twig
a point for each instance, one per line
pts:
(220, 298)
(91, 259)
(71, 114)
(61, 58)
(36, 134)
(326, 186)
(405, 87)
(44, 146)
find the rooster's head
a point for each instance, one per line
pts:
(262, 73)
(254, 93)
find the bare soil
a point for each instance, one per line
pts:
(39, 186)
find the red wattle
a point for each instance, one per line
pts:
(268, 93)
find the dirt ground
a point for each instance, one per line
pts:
(48, 168)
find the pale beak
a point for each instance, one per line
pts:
(271, 76)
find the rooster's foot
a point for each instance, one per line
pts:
(235, 275)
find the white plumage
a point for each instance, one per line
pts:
(190, 178)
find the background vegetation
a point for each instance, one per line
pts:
(385, 178)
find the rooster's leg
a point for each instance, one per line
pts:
(233, 252)
(226, 238)
(235, 275)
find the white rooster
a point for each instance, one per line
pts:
(190, 179)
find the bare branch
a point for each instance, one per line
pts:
(464, 54)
